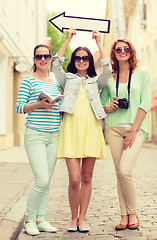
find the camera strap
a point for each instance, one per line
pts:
(129, 82)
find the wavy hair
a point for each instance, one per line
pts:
(38, 46)
(133, 61)
(71, 66)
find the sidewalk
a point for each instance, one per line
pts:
(15, 179)
(103, 213)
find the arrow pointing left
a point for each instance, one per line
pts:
(62, 22)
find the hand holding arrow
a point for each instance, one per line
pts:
(70, 34)
(62, 22)
(95, 35)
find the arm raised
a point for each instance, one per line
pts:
(70, 33)
(97, 36)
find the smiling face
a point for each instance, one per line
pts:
(82, 62)
(122, 51)
(42, 58)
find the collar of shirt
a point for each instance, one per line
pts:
(86, 77)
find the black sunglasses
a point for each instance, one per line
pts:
(84, 58)
(119, 50)
(38, 57)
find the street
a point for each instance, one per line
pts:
(103, 212)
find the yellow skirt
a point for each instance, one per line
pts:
(81, 133)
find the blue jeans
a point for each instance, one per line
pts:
(41, 148)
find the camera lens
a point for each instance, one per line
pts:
(123, 103)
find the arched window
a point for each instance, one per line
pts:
(143, 12)
(3, 87)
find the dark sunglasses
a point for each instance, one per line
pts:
(119, 50)
(38, 57)
(84, 58)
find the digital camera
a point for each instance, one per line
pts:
(123, 103)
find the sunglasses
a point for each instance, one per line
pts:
(119, 50)
(38, 57)
(84, 58)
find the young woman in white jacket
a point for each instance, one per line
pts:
(81, 136)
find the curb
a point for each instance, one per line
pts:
(13, 216)
(11, 232)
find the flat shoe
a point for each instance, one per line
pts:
(134, 225)
(121, 227)
(83, 229)
(72, 229)
(45, 226)
(30, 228)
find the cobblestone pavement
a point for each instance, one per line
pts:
(15, 179)
(103, 213)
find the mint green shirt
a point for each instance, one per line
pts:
(140, 97)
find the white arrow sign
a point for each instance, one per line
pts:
(62, 22)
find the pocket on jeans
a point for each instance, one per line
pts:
(31, 135)
(31, 131)
(55, 136)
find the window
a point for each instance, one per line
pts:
(155, 13)
(156, 59)
(3, 82)
(143, 12)
(149, 17)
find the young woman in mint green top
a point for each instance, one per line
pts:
(126, 127)
(140, 98)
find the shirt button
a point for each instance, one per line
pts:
(91, 99)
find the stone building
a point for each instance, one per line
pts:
(22, 26)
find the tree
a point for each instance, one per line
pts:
(57, 39)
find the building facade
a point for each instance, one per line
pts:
(22, 26)
(141, 29)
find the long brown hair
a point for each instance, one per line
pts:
(71, 66)
(133, 61)
(38, 46)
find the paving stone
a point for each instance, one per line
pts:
(24, 236)
(9, 230)
(103, 212)
(152, 237)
